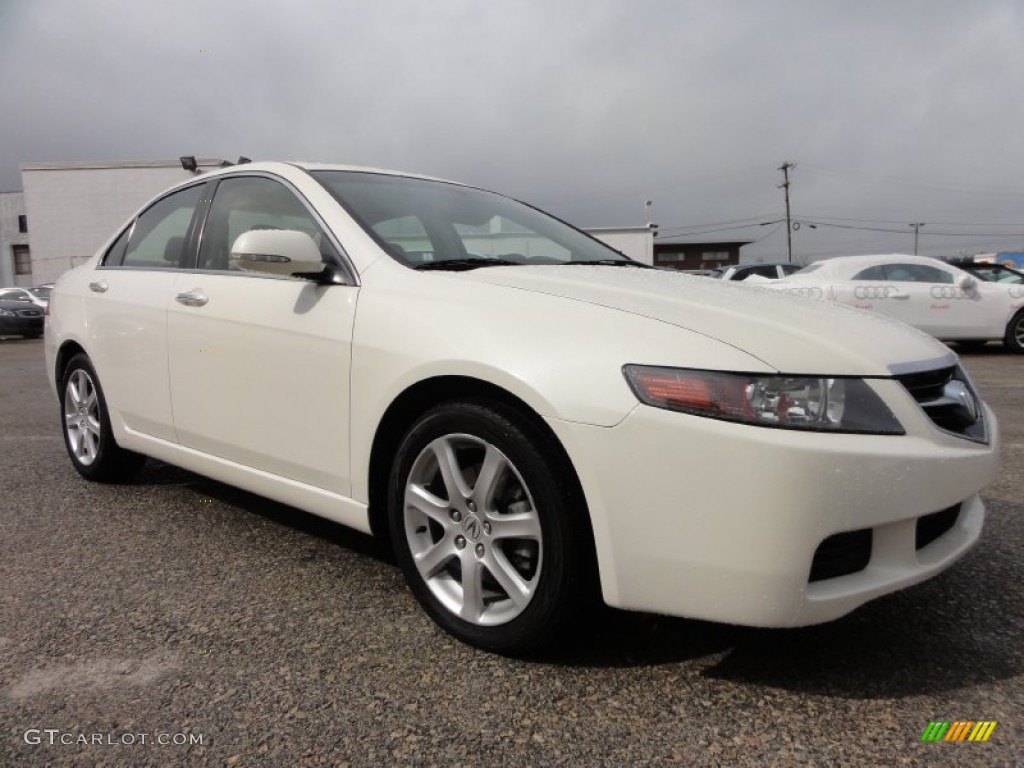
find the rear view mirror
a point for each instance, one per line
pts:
(283, 252)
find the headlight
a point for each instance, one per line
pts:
(792, 402)
(6, 313)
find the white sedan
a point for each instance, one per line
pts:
(940, 299)
(526, 414)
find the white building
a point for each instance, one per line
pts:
(75, 207)
(15, 257)
(635, 242)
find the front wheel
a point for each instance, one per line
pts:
(1014, 339)
(487, 526)
(88, 436)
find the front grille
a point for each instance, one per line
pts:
(841, 554)
(947, 397)
(930, 527)
(30, 312)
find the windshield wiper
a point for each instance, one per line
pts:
(461, 265)
(612, 263)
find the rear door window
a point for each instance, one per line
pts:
(158, 238)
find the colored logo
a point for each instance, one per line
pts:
(959, 730)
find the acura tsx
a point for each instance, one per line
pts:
(528, 416)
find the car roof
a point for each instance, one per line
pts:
(288, 169)
(285, 165)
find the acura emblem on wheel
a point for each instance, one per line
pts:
(471, 525)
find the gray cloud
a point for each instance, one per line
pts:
(895, 111)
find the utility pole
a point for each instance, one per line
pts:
(917, 228)
(789, 224)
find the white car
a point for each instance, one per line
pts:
(528, 415)
(939, 298)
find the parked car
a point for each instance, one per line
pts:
(527, 415)
(929, 294)
(39, 296)
(989, 272)
(20, 318)
(770, 271)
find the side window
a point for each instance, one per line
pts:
(871, 273)
(243, 204)
(917, 273)
(925, 274)
(158, 237)
(115, 253)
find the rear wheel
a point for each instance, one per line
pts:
(88, 436)
(1014, 339)
(486, 526)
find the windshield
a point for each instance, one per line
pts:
(40, 293)
(432, 223)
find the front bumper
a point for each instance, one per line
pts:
(721, 521)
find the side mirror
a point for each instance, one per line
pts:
(283, 252)
(965, 282)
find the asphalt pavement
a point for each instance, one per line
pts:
(178, 621)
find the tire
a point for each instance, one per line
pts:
(85, 424)
(1014, 339)
(521, 537)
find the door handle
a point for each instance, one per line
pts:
(192, 298)
(98, 286)
(899, 295)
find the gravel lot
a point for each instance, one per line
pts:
(177, 605)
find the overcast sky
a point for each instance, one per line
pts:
(893, 111)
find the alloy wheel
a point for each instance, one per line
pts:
(82, 417)
(473, 529)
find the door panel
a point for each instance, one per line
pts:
(127, 315)
(259, 372)
(126, 311)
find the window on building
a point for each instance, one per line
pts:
(22, 223)
(22, 260)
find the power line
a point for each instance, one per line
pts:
(820, 223)
(721, 229)
(740, 223)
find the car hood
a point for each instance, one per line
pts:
(788, 333)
